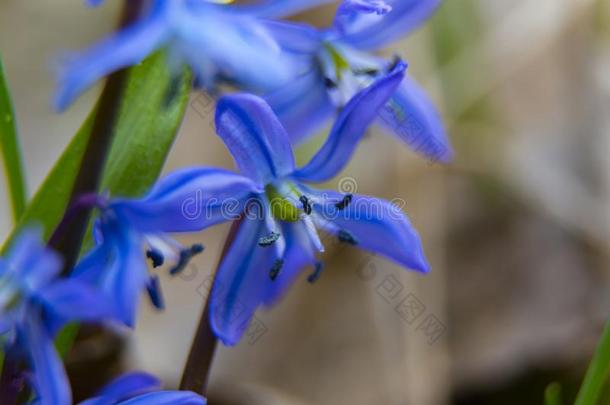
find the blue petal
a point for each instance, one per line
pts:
(29, 257)
(125, 387)
(166, 398)
(372, 31)
(351, 10)
(73, 300)
(245, 53)
(120, 271)
(302, 105)
(128, 277)
(255, 137)
(295, 37)
(413, 118)
(241, 282)
(189, 199)
(126, 48)
(279, 8)
(92, 266)
(299, 255)
(377, 226)
(350, 127)
(49, 377)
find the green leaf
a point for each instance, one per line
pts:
(552, 394)
(10, 149)
(151, 111)
(597, 373)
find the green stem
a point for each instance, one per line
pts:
(10, 149)
(597, 372)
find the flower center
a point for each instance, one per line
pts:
(281, 208)
(346, 74)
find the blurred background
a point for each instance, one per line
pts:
(517, 228)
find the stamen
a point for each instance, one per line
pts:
(345, 202)
(346, 237)
(185, 256)
(154, 292)
(269, 240)
(275, 270)
(155, 257)
(329, 83)
(395, 61)
(306, 204)
(313, 277)
(366, 72)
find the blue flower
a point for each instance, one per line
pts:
(126, 228)
(279, 214)
(336, 65)
(217, 41)
(34, 304)
(141, 389)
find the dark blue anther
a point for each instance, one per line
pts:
(154, 292)
(275, 270)
(306, 204)
(345, 202)
(346, 237)
(268, 240)
(329, 83)
(185, 256)
(155, 257)
(313, 277)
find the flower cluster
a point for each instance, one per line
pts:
(297, 77)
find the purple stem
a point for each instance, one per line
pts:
(83, 203)
(196, 372)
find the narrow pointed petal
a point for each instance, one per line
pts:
(377, 226)
(279, 8)
(125, 48)
(166, 398)
(73, 300)
(189, 199)
(350, 11)
(413, 118)
(350, 127)
(302, 105)
(125, 387)
(125, 273)
(49, 377)
(241, 283)
(372, 31)
(255, 137)
(295, 37)
(29, 256)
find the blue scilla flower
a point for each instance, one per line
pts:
(337, 64)
(126, 233)
(217, 41)
(280, 216)
(34, 304)
(141, 389)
